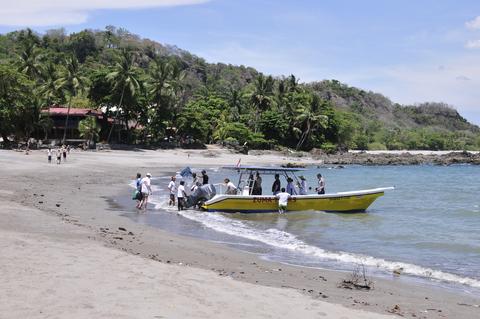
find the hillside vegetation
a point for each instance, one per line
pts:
(157, 90)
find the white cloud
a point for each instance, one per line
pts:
(473, 44)
(473, 24)
(63, 12)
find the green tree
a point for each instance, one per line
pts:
(261, 97)
(89, 129)
(124, 78)
(72, 82)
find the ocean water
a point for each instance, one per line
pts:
(429, 226)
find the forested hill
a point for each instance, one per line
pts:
(153, 88)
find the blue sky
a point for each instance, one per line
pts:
(411, 51)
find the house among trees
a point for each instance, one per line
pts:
(58, 115)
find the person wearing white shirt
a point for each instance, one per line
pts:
(49, 155)
(231, 189)
(283, 200)
(321, 185)
(181, 195)
(173, 189)
(146, 190)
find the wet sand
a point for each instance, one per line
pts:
(63, 246)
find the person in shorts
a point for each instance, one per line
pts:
(283, 198)
(138, 185)
(146, 190)
(181, 195)
(59, 156)
(49, 155)
(172, 188)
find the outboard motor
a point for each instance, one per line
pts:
(200, 196)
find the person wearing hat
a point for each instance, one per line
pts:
(302, 186)
(146, 190)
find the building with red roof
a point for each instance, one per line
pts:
(58, 114)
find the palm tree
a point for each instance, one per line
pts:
(123, 77)
(71, 82)
(48, 89)
(89, 129)
(159, 80)
(308, 120)
(29, 64)
(261, 97)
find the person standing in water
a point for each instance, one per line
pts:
(276, 185)
(49, 155)
(283, 198)
(321, 185)
(181, 195)
(172, 188)
(204, 177)
(146, 190)
(138, 185)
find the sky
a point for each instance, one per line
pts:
(412, 51)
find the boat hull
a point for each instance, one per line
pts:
(340, 202)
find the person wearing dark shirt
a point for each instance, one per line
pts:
(257, 185)
(276, 185)
(204, 177)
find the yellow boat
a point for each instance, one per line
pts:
(354, 201)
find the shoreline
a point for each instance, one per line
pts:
(81, 194)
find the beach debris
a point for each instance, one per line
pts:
(119, 238)
(40, 202)
(395, 310)
(122, 229)
(398, 271)
(58, 205)
(358, 279)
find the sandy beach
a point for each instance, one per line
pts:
(67, 253)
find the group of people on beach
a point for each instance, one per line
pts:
(143, 189)
(60, 152)
(178, 193)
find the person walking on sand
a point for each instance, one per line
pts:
(49, 155)
(138, 185)
(64, 152)
(204, 177)
(181, 195)
(59, 156)
(172, 188)
(146, 190)
(302, 186)
(276, 185)
(283, 198)
(321, 184)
